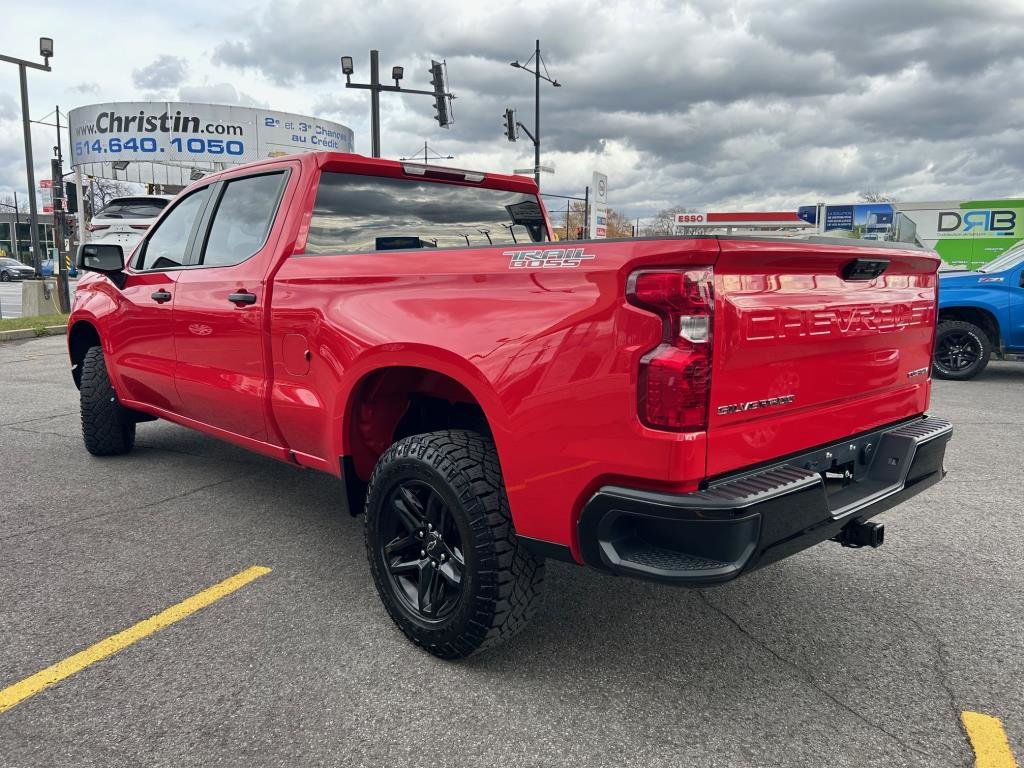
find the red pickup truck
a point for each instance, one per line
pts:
(678, 409)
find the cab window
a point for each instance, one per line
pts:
(361, 214)
(242, 221)
(168, 243)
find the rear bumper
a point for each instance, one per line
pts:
(750, 519)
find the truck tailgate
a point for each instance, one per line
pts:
(809, 347)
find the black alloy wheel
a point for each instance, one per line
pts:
(5, 277)
(442, 548)
(422, 550)
(962, 350)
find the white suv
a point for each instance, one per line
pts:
(124, 220)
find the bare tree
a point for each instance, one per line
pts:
(7, 203)
(664, 221)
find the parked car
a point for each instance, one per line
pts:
(12, 269)
(981, 314)
(124, 220)
(683, 410)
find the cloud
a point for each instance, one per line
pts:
(165, 71)
(88, 88)
(9, 110)
(218, 93)
(701, 103)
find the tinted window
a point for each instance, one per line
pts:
(167, 246)
(133, 208)
(243, 218)
(359, 214)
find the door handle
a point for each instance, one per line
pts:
(160, 296)
(242, 298)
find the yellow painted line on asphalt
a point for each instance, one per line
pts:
(991, 748)
(40, 681)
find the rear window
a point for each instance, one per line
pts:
(133, 208)
(361, 214)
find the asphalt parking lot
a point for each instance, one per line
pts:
(834, 657)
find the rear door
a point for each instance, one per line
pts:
(219, 306)
(140, 335)
(810, 348)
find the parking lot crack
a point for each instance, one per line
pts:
(807, 676)
(99, 515)
(941, 664)
(38, 418)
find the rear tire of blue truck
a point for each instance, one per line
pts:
(962, 350)
(442, 548)
(108, 428)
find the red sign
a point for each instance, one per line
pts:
(46, 184)
(47, 209)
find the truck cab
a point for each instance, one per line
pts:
(981, 314)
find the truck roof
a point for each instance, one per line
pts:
(344, 162)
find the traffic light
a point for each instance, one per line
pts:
(72, 197)
(510, 124)
(443, 116)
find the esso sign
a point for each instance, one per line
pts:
(691, 218)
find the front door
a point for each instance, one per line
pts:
(219, 308)
(140, 333)
(1015, 338)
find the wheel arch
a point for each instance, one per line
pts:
(982, 317)
(81, 336)
(392, 401)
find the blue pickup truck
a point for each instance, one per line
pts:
(980, 314)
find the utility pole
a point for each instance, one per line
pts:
(17, 225)
(442, 98)
(46, 51)
(428, 155)
(538, 62)
(60, 269)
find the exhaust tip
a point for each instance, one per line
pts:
(861, 534)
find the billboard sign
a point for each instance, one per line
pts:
(970, 233)
(195, 135)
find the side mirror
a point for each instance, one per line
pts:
(101, 257)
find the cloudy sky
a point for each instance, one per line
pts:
(754, 104)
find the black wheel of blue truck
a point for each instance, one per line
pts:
(962, 350)
(108, 428)
(442, 550)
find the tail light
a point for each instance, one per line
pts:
(139, 226)
(96, 227)
(675, 376)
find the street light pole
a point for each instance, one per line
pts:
(536, 117)
(442, 99)
(538, 62)
(33, 213)
(46, 51)
(375, 102)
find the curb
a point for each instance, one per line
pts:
(31, 333)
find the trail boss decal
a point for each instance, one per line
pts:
(755, 405)
(560, 257)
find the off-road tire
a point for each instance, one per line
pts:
(501, 580)
(108, 428)
(975, 337)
